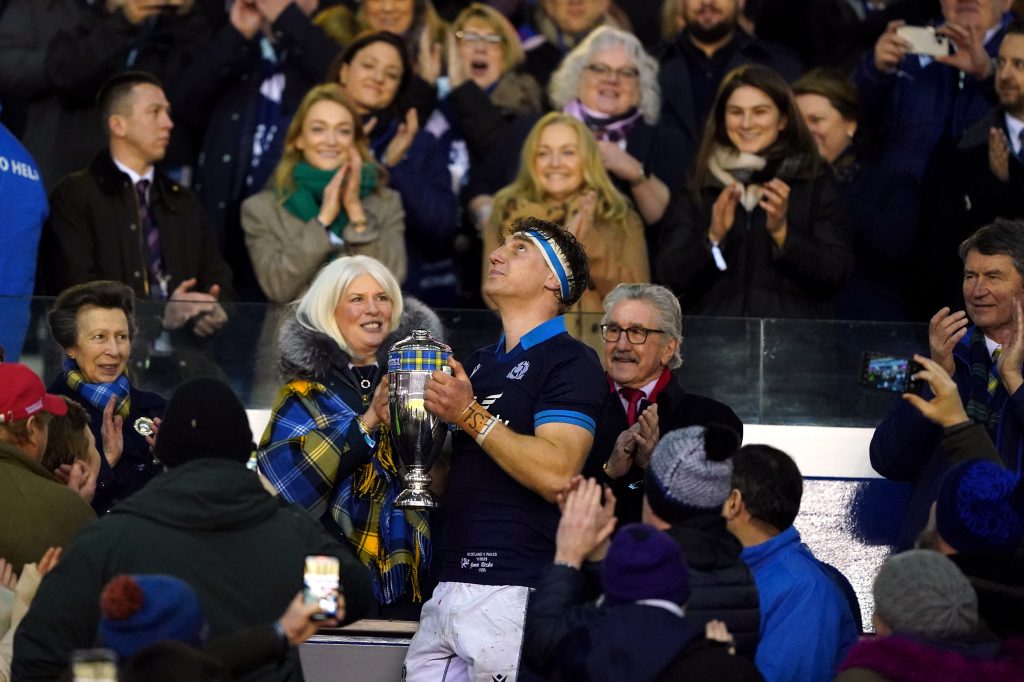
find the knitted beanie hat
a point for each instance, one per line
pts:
(980, 508)
(690, 472)
(204, 419)
(922, 592)
(644, 563)
(139, 610)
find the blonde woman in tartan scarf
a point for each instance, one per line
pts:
(326, 446)
(562, 180)
(95, 325)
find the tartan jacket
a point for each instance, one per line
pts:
(314, 454)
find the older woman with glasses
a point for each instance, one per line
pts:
(610, 84)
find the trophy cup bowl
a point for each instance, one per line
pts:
(417, 435)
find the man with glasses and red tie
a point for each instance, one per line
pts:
(642, 330)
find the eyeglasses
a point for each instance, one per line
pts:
(635, 335)
(626, 73)
(490, 39)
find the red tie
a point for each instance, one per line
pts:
(633, 396)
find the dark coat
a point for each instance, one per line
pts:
(94, 233)
(135, 468)
(39, 511)
(57, 53)
(884, 207)
(221, 95)
(722, 585)
(422, 179)
(208, 522)
(570, 636)
(799, 280)
(908, 447)
(962, 195)
(676, 409)
(677, 108)
(999, 583)
(913, 110)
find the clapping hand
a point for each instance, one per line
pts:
(999, 154)
(945, 330)
(1009, 362)
(402, 141)
(723, 212)
(775, 203)
(582, 222)
(586, 523)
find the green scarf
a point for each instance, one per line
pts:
(304, 202)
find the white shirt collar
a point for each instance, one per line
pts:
(135, 177)
(1014, 126)
(991, 346)
(647, 388)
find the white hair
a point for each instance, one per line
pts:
(315, 310)
(565, 82)
(665, 304)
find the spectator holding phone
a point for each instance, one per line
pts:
(207, 508)
(915, 101)
(982, 350)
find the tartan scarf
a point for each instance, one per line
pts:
(981, 404)
(393, 544)
(97, 395)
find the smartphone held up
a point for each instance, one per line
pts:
(890, 373)
(322, 584)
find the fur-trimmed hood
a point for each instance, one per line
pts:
(308, 354)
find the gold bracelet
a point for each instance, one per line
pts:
(361, 423)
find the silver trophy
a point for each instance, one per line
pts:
(416, 434)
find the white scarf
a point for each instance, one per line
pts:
(724, 160)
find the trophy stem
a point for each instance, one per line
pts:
(417, 493)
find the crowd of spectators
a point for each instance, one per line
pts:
(368, 161)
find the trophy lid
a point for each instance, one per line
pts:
(418, 352)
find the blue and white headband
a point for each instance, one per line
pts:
(555, 259)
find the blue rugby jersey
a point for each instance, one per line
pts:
(496, 531)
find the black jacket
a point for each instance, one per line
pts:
(221, 95)
(94, 233)
(722, 585)
(572, 637)
(55, 54)
(799, 280)
(962, 194)
(676, 409)
(208, 522)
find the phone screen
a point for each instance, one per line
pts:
(322, 584)
(889, 373)
(94, 665)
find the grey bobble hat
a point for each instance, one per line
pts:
(922, 592)
(690, 473)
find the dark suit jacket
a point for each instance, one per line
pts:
(94, 232)
(676, 409)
